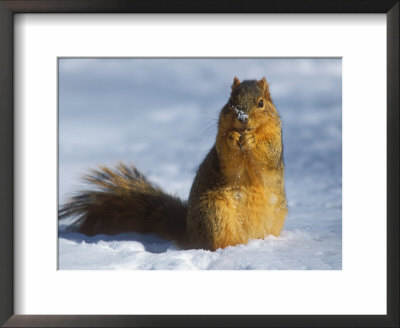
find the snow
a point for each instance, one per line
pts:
(242, 116)
(134, 251)
(161, 115)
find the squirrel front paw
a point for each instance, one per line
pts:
(241, 141)
(233, 140)
(247, 141)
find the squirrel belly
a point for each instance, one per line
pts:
(238, 193)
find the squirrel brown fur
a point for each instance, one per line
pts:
(238, 193)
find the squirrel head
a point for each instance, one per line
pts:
(249, 103)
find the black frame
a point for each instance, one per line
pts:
(7, 10)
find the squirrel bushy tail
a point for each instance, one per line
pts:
(125, 201)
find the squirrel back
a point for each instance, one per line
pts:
(238, 193)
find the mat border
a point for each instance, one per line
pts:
(10, 7)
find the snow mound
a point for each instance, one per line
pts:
(294, 250)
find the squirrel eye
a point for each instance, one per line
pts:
(261, 103)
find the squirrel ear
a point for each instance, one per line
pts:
(235, 82)
(265, 87)
(263, 83)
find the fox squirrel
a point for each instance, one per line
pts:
(238, 193)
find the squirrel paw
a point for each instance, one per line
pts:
(239, 141)
(233, 139)
(247, 141)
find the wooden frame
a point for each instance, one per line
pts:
(8, 8)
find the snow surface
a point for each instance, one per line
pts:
(161, 115)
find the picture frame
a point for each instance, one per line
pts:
(9, 8)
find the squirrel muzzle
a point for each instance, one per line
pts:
(241, 113)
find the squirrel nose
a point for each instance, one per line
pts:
(242, 116)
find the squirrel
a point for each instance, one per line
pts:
(238, 193)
